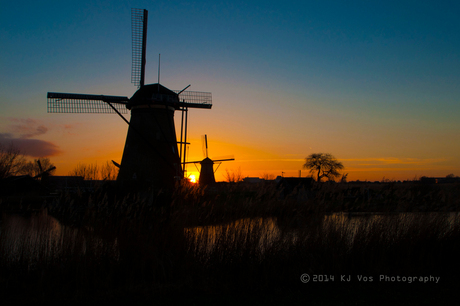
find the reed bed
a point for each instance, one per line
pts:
(152, 245)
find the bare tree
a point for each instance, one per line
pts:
(87, 171)
(325, 164)
(233, 177)
(94, 172)
(12, 162)
(108, 171)
(268, 177)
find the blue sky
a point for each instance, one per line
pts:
(372, 82)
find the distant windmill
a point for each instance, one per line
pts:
(43, 174)
(150, 156)
(207, 166)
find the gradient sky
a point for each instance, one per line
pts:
(375, 83)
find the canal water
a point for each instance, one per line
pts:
(41, 238)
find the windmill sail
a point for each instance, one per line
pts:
(194, 99)
(83, 103)
(139, 34)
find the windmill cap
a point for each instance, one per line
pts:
(153, 94)
(207, 160)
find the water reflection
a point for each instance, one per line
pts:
(262, 233)
(41, 238)
(258, 232)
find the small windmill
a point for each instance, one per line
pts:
(207, 166)
(43, 174)
(150, 156)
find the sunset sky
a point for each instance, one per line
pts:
(374, 83)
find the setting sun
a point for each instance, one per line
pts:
(192, 178)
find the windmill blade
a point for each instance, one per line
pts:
(213, 160)
(44, 173)
(194, 99)
(221, 160)
(204, 145)
(39, 165)
(51, 169)
(83, 103)
(139, 34)
(194, 162)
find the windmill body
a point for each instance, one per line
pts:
(207, 172)
(150, 156)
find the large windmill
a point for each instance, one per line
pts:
(150, 156)
(207, 165)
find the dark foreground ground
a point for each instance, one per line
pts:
(235, 246)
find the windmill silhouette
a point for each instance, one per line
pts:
(43, 174)
(150, 156)
(207, 166)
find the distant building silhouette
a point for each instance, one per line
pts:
(439, 180)
(298, 185)
(253, 180)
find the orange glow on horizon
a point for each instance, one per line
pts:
(372, 169)
(252, 158)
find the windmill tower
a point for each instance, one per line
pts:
(207, 166)
(150, 156)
